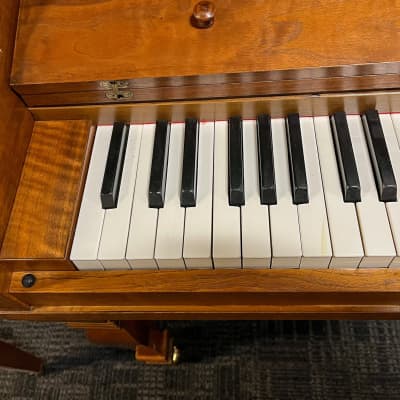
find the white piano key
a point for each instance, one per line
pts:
(171, 218)
(143, 224)
(114, 236)
(91, 215)
(374, 225)
(285, 234)
(396, 124)
(256, 243)
(393, 208)
(198, 220)
(345, 234)
(226, 219)
(313, 222)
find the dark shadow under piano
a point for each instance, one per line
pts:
(247, 360)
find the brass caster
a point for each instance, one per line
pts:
(176, 355)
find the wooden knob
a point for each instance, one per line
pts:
(203, 15)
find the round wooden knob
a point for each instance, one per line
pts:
(203, 14)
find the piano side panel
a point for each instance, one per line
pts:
(16, 121)
(43, 218)
(16, 124)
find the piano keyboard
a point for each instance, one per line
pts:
(267, 193)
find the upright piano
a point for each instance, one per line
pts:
(194, 159)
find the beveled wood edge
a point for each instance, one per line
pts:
(209, 294)
(222, 109)
(278, 281)
(366, 280)
(219, 91)
(319, 312)
(307, 74)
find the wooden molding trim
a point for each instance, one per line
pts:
(222, 109)
(210, 293)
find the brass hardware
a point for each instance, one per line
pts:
(114, 90)
(203, 15)
(176, 355)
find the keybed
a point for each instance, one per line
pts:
(295, 192)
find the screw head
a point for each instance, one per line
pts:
(28, 280)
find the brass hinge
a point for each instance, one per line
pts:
(114, 89)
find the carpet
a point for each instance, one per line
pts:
(247, 360)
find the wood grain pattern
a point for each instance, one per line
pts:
(210, 91)
(47, 201)
(200, 312)
(259, 47)
(15, 120)
(16, 125)
(7, 301)
(276, 106)
(227, 293)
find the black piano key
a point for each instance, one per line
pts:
(159, 164)
(266, 170)
(297, 168)
(345, 158)
(189, 165)
(235, 162)
(382, 166)
(114, 166)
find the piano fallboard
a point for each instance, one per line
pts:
(71, 52)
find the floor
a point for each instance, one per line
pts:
(221, 360)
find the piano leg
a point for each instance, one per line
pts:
(152, 345)
(12, 357)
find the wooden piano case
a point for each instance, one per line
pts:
(73, 52)
(64, 50)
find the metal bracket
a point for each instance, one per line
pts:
(114, 89)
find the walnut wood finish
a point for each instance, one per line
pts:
(7, 301)
(248, 108)
(45, 209)
(12, 357)
(16, 125)
(157, 350)
(210, 294)
(268, 88)
(15, 120)
(203, 15)
(128, 334)
(151, 344)
(64, 49)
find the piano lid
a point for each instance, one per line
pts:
(253, 48)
